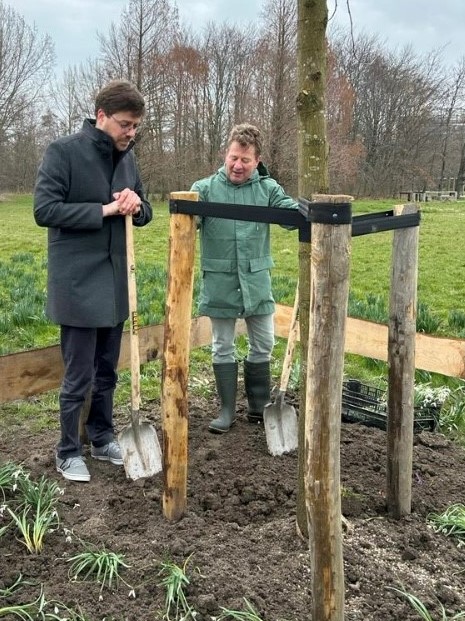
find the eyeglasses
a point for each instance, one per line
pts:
(126, 126)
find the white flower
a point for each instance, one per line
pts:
(428, 397)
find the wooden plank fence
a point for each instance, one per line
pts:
(29, 373)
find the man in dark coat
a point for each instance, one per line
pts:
(86, 185)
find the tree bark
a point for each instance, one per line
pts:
(312, 149)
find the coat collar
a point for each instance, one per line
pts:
(102, 140)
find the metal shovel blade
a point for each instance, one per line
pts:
(281, 426)
(142, 456)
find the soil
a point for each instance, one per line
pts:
(239, 531)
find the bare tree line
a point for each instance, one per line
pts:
(395, 120)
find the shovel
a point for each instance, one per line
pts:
(280, 418)
(138, 441)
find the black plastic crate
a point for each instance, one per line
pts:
(425, 419)
(366, 404)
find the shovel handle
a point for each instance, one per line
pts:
(133, 320)
(291, 340)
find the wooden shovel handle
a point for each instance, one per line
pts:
(291, 340)
(134, 324)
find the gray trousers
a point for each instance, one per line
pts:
(260, 332)
(90, 357)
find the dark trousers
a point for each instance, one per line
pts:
(90, 357)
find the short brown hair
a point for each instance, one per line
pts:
(120, 96)
(246, 135)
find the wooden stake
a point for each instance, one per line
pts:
(176, 359)
(330, 264)
(401, 364)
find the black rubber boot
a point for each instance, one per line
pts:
(226, 385)
(257, 381)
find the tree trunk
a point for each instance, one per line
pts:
(312, 152)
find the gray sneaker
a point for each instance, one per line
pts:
(73, 468)
(108, 452)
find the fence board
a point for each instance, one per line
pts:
(30, 373)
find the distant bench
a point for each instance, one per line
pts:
(428, 195)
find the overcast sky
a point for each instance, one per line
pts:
(425, 24)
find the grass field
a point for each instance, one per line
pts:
(441, 283)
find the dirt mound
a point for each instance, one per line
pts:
(239, 531)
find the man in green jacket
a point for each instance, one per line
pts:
(236, 281)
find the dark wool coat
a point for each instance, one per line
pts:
(87, 273)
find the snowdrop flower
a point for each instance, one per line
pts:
(431, 398)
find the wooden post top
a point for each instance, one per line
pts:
(332, 198)
(185, 196)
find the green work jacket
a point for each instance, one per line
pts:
(235, 255)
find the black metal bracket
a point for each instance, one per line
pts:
(250, 213)
(383, 221)
(308, 212)
(325, 213)
(362, 224)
